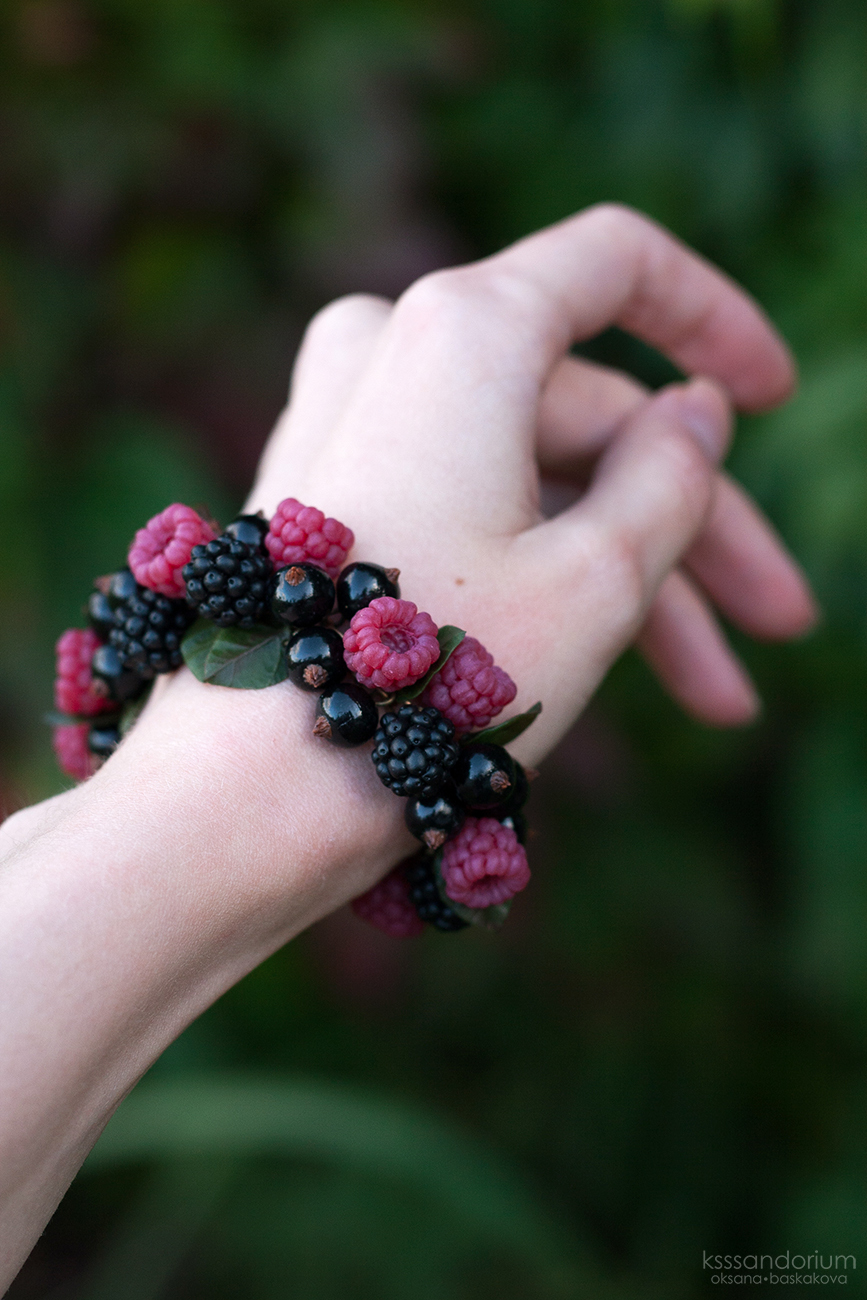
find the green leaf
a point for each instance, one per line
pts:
(229, 656)
(230, 1115)
(56, 719)
(487, 918)
(505, 732)
(449, 639)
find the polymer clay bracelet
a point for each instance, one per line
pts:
(264, 601)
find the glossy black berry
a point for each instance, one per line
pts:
(147, 632)
(436, 821)
(359, 584)
(227, 581)
(248, 528)
(314, 657)
(301, 595)
(100, 613)
(485, 776)
(118, 682)
(103, 741)
(519, 794)
(121, 586)
(414, 751)
(425, 897)
(346, 715)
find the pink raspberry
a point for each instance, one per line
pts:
(73, 755)
(390, 644)
(73, 687)
(302, 535)
(469, 689)
(484, 864)
(162, 548)
(388, 907)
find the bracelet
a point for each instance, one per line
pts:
(265, 600)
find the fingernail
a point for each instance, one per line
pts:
(702, 409)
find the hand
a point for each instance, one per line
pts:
(454, 401)
(221, 827)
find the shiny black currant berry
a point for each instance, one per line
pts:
(112, 678)
(359, 584)
(435, 822)
(103, 741)
(517, 822)
(314, 657)
(301, 595)
(122, 587)
(100, 613)
(485, 776)
(346, 715)
(519, 794)
(248, 528)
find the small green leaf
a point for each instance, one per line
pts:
(486, 918)
(505, 732)
(56, 719)
(449, 639)
(230, 656)
(130, 712)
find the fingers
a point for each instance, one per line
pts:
(581, 406)
(649, 496)
(334, 353)
(743, 565)
(512, 316)
(684, 646)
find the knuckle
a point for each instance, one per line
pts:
(615, 219)
(349, 315)
(614, 564)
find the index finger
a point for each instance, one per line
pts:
(610, 265)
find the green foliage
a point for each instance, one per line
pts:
(665, 1046)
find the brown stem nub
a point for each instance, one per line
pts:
(322, 728)
(315, 675)
(500, 782)
(103, 583)
(434, 839)
(392, 574)
(294, 575)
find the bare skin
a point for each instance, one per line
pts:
(221, 827)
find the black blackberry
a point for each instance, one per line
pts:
(147, 632)
(425, 897)
(414, 750)
(111, 679)
(227, 580)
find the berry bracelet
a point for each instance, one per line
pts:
(265, 601)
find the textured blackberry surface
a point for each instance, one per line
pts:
(413, 751)
(148, 630)
(425, 896)
(226, 581)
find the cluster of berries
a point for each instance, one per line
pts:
(464, 794)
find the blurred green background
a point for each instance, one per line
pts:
(664, 1052)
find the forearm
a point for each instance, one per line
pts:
(130, 904)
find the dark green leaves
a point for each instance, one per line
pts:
(228, 656)
(508, 731)
(449, 639)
